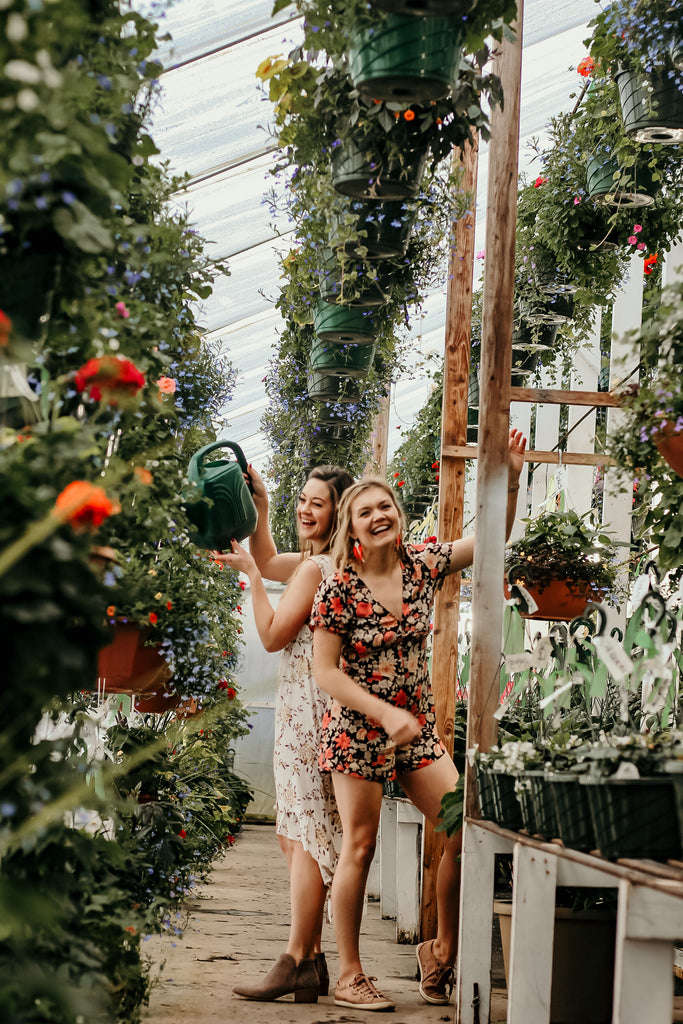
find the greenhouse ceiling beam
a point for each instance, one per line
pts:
(205, 54)
(226, 166)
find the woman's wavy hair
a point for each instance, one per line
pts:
(337, 480)
(341, 547)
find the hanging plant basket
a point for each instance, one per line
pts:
(426, 8)
(363, 291)
(596, 234)
(370, 172)
(634, 817)
(559, 600)
(386, 229)
(404, 59)
(344, 324)
(340, 434)
(126, 665)
(669, 444)
(652, 106)
(554, 310)
(324, 387)
(26, 286)
(341, 360)
(609, 185)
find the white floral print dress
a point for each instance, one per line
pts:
(306, 809)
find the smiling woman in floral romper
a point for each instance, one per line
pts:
(371, 630)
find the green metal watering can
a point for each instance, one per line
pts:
(230, 513)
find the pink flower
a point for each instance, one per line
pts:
(166, 385)
(632, 239)
(481, 254)
(577, 200)
(641, 246)
(637, 228)
(121, 309)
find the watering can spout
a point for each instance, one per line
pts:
(224, 510)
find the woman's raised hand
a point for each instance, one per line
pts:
(400, 726)
(516, 449)
(239, 558)
(257, 487)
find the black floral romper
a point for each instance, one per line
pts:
(389, 659)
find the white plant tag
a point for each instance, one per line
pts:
(626, 770)
(530, 603)
(542, 652)
(640, 589)
(619, 665)
(519, 662)
(556, 693)
(561, 479)
(498, 714)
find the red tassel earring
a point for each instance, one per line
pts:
(358, 551)
(399, 541)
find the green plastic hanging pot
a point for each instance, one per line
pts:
(404, 59)
(327, 387)
(551, 310)
(229, 513)
(427, 8)
(652, 106)
(343, 324)
(610, 185)
(384, 229)
(371, 171)
(341, 360)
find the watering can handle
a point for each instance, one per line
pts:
(223, 444)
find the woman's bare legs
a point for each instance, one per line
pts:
(307, 895)
(425, 788)
(359, 803)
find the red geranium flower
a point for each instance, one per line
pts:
(109, 377)
(585, 66)
(540, 180)
(84, 506)
(649, 263)
(182, 833)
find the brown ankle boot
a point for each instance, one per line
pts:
(323, 973)
(284, 978)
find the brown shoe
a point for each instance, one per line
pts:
(436, 979)
(361, 994)
(286, 977)
(323, 973)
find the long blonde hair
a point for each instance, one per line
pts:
(341, 546)
(337, 480)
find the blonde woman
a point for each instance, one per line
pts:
(371, 628)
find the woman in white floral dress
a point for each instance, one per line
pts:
(308, 826)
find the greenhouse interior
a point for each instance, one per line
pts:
(342, 499)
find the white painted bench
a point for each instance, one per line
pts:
(399, 858)
(649, 921)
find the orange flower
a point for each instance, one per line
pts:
(111, 611)
(153, 618)
(167, 386)
(409, 115)
(143, 475)
(84, 505)
(585, 66)
(109, 378)
(649, 264)
(5, 328)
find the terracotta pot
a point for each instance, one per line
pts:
(669, 444)
(125, 665)
(560, 600)
(189, 707)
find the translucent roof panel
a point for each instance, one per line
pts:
(212, 122)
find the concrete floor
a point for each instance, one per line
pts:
(238, 926)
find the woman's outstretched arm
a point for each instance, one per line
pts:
(272, 564)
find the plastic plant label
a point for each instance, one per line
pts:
(519, 662)
(619, 665)
(559, 691)
(531, 605)
(640, 589)
(542, 652)
(626, 770)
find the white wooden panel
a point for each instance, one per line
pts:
(387, 863)
(531, 941)
(673, 264)
(627, 316)
(372, 886)
(476, 910)
(581, 437)
(408, 858)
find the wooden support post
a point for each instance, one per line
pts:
(494, 410)
(451, 501)
(379, 440)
